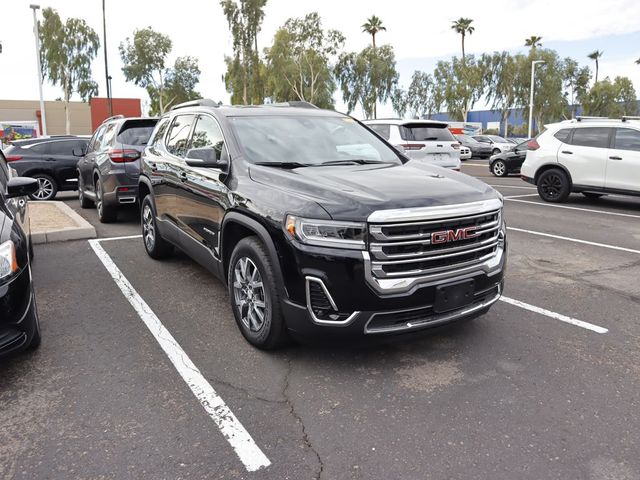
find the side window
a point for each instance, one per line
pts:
(65, 147)
(108, 137)
(95, 140)
(591, 137)
(627, 139)
(41, 148)
(207, 133)
(381, 129)
(158, 136)
(563, 135)
(178, 137)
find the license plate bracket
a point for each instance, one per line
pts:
(454, 296)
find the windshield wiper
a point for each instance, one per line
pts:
(353, 161)
(289, 165)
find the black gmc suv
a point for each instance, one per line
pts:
(316, 224)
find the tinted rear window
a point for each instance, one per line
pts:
(563, 134)
(591, 137)
(421, 133)
(136, 133)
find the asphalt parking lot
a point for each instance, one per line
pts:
(143, 373)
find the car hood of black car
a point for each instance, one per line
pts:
(353, 192)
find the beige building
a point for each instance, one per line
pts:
(17, 111)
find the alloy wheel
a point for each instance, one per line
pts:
(148, 228)
(249, 294)
(499, 168)
(99, 197)
(45, 189)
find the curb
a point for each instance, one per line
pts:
(81, 230)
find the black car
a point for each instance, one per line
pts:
(49, 160)
(503, 164)
(478, 149)
(317, 225)
(19, 325)
(108, 171)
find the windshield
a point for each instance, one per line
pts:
(497, 139)
(422, 133)
(466, 138)
(308, 140)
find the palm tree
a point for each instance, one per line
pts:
(533, 41)
(638, 61)
(372, 26)
(595, 55)
(463, 26)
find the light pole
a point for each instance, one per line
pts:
(533, 77)
(37, 35)
(106, 63)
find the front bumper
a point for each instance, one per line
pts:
(17, 305)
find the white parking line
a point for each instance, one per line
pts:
(521, 196)
(557, 316)
(575, 240)
(628, 215)
(108, 239)
(465, 164)
(513, 186)
(249, 453)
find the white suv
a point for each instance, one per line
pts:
(423, 140)
(592, 156)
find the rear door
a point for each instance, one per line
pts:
(623, 161)
(87, 162)
(63, 162)
(585, 155)
(431, 142)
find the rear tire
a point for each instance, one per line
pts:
(106, 214)
(47, 188)
(155, 246)
(553, 186)
(499, 168)
(254, 298)
(592, 196)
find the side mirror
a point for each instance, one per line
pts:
(78, 152)
(21, 187)
(206, 157)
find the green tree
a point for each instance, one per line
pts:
(595, 56)
(179, 85)
(463, 83)
(399, 101)
(245, 69)
(611, 99)
(463, 27)
(299, 61)
(68, 49)
(533, 42)
(144, 60)
(576, 82)
(504, 82)
(373, 26)
(367, 77)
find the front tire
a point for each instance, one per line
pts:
(47, 188)
(155, 246)
(84, 201)
(499, 168)
(255, 301)
(106, 214)
(554, 186)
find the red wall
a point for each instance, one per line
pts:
(129, 107)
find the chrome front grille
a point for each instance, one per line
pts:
(407, 248)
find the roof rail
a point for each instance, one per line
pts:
(201, 102)
(114, 117)
(581, 118)
(626, 118)
(292, 103)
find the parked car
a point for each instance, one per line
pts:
(504, 164)
(318, 226)
(478, 149)
(589, 156)
(19, 324)
(49, 160)
(497, 144)
(465, 153)
(422, 140)
(108, 171)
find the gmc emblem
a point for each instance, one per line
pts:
(454, 235)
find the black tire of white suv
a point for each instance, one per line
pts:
(554, 186)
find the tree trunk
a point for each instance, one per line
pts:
(373, 37)
(244, 80)
(462, 47)
(67, 113)
(596, 71)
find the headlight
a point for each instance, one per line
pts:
(8, 260)
(326, 233)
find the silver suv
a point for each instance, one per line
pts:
(424, 140)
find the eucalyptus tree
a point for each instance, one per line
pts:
(144, 58)
(68, 49)
(462, 84)
(611, 99)
(504, 82)
(463, 27)
(595, 56)
(373, 26)
(299, 61)
(576, 82)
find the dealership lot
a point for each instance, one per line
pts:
(546, 385)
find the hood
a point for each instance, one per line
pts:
(353, 192)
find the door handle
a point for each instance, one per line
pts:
(183, 176)
(154, 167)
(567, 152)
(615, 158)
